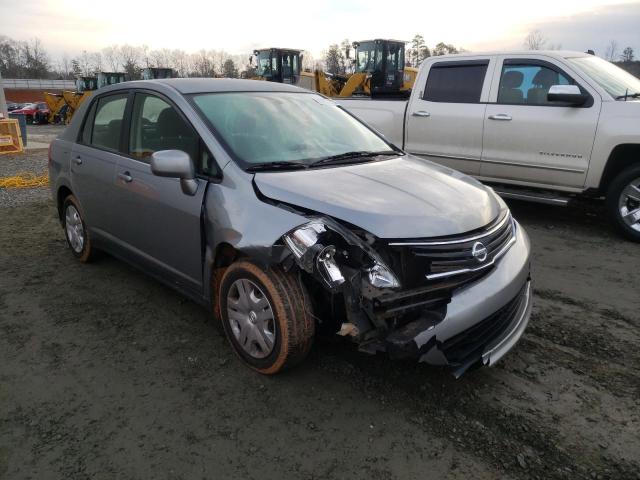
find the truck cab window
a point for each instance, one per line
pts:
(455, 83)
(528, 84)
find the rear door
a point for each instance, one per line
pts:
(526, 137)
(94, 158)
(157, 223)
(444, 122)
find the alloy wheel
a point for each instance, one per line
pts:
(74, 228)
(629, 204)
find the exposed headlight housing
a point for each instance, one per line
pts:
(321, 245)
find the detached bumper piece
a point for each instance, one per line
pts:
(482, 344)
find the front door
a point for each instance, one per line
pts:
(526, 137)
(158, 224)
(444, 123)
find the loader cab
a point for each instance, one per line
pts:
(109, 78)
(86, 84)
(278, 65)
(384, 61)
(151, 73)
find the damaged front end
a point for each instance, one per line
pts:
(405, 297)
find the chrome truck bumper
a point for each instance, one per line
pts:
(484, 320)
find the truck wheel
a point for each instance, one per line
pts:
(623, 202)
(266, 316)
(75, 230)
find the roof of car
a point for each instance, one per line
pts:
(214, 85)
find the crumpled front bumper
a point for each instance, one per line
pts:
(484, 320)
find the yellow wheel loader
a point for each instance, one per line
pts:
(282, 65)
(379, 71)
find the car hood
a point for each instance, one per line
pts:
(404, 197)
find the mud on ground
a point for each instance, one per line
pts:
(105, 373)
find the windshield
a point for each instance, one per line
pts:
(265, 127)
(266, 64)
(613, 79)
(369, 57)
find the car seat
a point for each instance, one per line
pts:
(510, 87)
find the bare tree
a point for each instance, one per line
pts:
(110, 55)
(308, 62)
(611, 53)
(627, 55)
(130, 60)
(203, 64)
(535, 40)
(95, 60)
(85, 63)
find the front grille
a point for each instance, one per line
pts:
(461, 255)
(467, 346)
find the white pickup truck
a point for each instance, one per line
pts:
(541, 126)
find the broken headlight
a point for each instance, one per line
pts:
(324, 247)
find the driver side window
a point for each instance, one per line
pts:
(156, 125)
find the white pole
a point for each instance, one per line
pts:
(3, 101)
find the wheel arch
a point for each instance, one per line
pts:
(621, 157)
(62, 193)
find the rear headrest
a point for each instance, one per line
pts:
(545, 78)
(512, 79)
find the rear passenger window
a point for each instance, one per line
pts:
(452, 83)
(107, 123)
(156, 125)
(528, 84)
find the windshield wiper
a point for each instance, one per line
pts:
(628, 95)
(278, 165)
(352, 157)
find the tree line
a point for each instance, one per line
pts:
(29, 59)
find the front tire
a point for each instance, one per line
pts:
(75, 230)
(266, 316)
(623, 202)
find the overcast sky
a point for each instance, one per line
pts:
(70, 26)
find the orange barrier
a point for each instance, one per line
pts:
(10, 136)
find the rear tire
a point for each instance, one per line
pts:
(623, 202)
(266, 316)
(75, 230)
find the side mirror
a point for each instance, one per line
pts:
(570, 94)
(175, 164)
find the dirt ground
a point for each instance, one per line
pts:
(105, 373)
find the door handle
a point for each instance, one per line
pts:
(125, 177)
(77, 161)
(421, 113)
(500, 116)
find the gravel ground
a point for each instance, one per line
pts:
(105, 373)
(30, 161)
